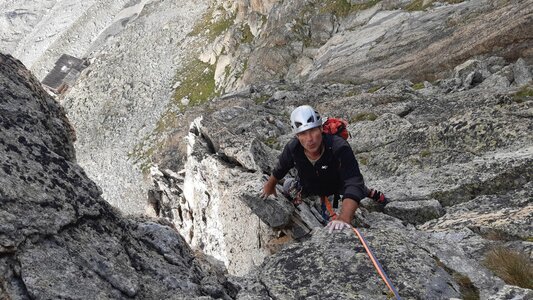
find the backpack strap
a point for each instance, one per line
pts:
(328, 140)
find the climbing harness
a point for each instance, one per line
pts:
(376, 263)
(326, 205)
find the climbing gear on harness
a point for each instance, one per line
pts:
(376, 263)
(377, 196)
(303, 118)
(326, 206)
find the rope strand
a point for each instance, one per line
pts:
(376, 263)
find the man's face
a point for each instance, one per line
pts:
(311, 139)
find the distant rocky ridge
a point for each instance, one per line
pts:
(331, 41)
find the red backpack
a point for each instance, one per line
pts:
(336, 126)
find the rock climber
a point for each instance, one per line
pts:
(325, 166)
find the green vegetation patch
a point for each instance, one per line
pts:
(417, 5)
(525, 93)
(146, 149)
(197, 84)
(197, 87)
(363, 160)
(342, 8)
(418, 86)
(513, 267)
(247, 37)
(467, 288)
(261, 99)
(374, 89)
(365, 116)
(366, 5)
(273, 143)
(210, 28)
(425, 153)
(352, 93)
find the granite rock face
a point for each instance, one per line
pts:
(58, 237)
(454, 159)
(365, 41)
(439, 103)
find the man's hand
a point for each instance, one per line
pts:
(270, 187)
(337, 225)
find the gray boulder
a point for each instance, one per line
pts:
(58, 237)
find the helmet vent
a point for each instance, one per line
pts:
(297, 124)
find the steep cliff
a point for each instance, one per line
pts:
(58, 237)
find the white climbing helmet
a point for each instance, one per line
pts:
(303, 118)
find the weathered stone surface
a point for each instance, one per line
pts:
(512, 292)
(463, 140)
(415, 212)
(522, 72)
(383, 41)
(58, 237)
(337, 267)
(457, 146)
(220, 224)
(463, 32)
(508, 216)
(275, 212)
